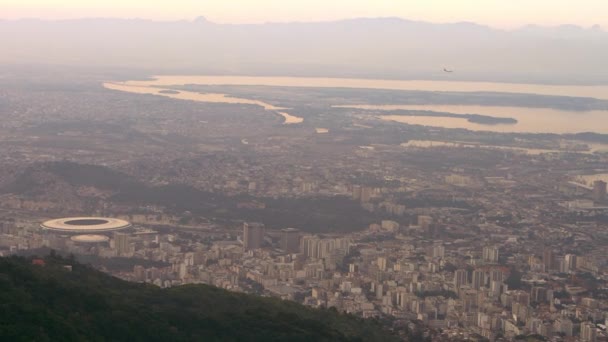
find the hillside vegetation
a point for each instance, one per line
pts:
(52, 303)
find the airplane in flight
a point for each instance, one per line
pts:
(446, 70)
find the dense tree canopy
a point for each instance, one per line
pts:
(51, 303)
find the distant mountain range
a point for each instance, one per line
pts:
(380, 48)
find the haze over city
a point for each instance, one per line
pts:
(304, 170)
(496, 13)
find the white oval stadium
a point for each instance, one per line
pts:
(85, 225)
(90, 239)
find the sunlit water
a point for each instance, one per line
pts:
(529, 120)
(201, 97)
(600, 92)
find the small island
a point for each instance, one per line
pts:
(168, 91)
(490, 120)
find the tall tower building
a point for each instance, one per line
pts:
(253, 236)
(366, 194)
(309, 246)
(326, 246)
(569, 263)
(490, 254)
(438, 251)
(548, 259)
(599, 191)
(479, 279)
(314, 247)
(382, 263)
(460, 278)
(356, 194)
(496, 288)
(290, 240)
(121, 243)
(588, 332)
(496, 275)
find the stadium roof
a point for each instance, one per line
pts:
(85, 225)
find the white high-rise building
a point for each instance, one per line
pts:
(569, 263)
(496, 275)
(314, 247)
(460, 278)
(490, 254)
(382, 262)
(588, 332)
(438, 251)
(478, 280)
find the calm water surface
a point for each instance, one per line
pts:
(530, 120)
(600, 92)
(201, 97)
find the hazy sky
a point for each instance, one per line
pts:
(499, 13)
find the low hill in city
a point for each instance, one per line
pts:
(49, 302)
(82, 188)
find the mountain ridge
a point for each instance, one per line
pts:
(379, 19)
(49, 302)
(361, 47)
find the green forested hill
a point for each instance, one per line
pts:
(50, 303)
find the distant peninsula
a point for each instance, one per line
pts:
(473, 118)
(168, 91)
